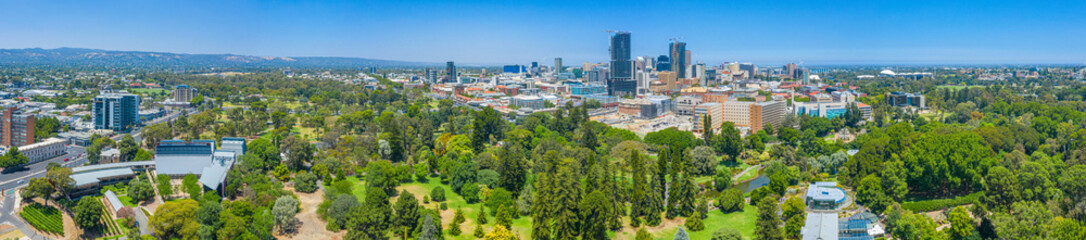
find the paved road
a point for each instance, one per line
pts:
(10, 180)
(7, 216)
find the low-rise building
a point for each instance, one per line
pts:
(825, 195)
(111, 155)
(525, 101)
(43, 150)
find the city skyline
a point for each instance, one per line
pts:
(497, 33)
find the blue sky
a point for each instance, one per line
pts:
(517, 32)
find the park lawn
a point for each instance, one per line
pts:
(127, 201)
(742, 221)
(522, 226)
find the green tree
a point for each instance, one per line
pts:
(767, 226)
(61, 179)
(140, 190)
(722, 180)
(39, 187)
(869, 193)
(504, 217)
(454, 226)
(961, 225)
(1025, 220)
(88, 212)
(595, 209)
(128, 147)
(702, 161)
(730, 200)
(694, 222)
(487, 124)
(728, 142)
(794, 216)
(382, 175)
(643, 235)
(192, 186)
(305, 182)
(164, 187)
(407, 213)
(480, 217)
(340, 210)
(370, 220)
(499, 198)
(1002, 188)
(284, 210)
(176, 219)
(12, 158)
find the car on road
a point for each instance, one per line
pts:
(66, 159)
(21, 181)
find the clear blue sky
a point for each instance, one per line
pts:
(517, 32)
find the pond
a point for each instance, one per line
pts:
(760, 181)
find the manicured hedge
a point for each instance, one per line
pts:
(940, 204)
(44, 218)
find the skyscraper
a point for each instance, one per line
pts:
(790, 70)
(663, 63)
(116, 111)
(450, 72)
(678, 59)
(558, 65)
(621, 81)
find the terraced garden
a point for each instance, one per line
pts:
(44, 218)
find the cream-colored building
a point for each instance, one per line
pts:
(43, 150)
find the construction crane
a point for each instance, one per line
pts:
(674, 39)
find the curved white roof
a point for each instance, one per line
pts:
(887, 72)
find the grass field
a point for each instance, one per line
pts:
(148, 90)
(127, 201)
(44, 218)
(743, 221)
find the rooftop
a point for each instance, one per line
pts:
(820, 226)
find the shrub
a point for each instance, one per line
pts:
(730, 200)
(444, 206)
(470, 192)
(438, 194)
(306, 182)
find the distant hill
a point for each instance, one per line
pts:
(96, 58)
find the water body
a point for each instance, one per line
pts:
(760, 181)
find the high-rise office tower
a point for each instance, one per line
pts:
(749, 67)
(116, 111)
(679, 59)
(450, 72)
(663, 63)
(558, 65)
(621, 81)
(790, 70)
